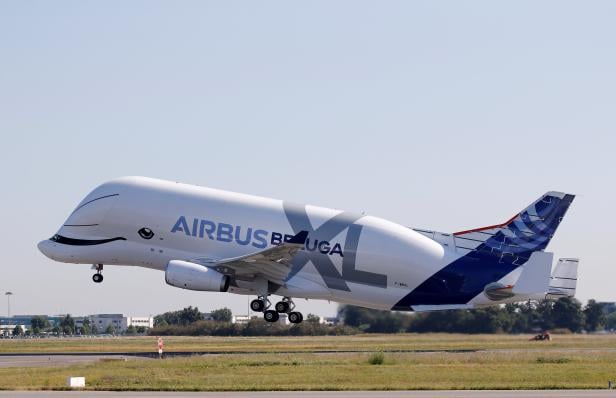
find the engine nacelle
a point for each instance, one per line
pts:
(186, 275)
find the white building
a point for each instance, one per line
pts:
(243, 319)
(119, 322)
(136, 321)
(7, 330)
(329, 320)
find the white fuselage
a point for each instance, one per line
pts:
(348, 258)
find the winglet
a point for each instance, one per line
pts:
(299, 239)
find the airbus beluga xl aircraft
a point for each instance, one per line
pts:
(211, 240)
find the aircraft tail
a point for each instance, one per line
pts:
(489, 254)
(528, 231)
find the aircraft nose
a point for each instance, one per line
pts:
(46, 247)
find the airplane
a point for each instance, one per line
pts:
(211, 240)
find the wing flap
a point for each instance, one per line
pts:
(273, 263)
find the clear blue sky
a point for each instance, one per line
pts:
(436, 114)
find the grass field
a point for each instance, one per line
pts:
(503, 362)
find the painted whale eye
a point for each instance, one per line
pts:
(146, 233)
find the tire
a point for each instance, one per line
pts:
(97, 278)
(295, 317)
(271, 316)
(257, 305)
(282, 307)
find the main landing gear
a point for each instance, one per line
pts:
(286, 306)
(98, 277)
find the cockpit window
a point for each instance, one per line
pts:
(91, 211)
(93, 200)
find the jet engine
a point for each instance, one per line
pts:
(186, 275)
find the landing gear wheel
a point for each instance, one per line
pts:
(282, 307)
(270, 316)
(295, 317)
(257, 305)
(98, 277)
(285, 305)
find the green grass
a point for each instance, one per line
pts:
(504, 362)
(377, 358)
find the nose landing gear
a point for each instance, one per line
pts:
(98, 277)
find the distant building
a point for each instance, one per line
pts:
(144, 321)
(329, 320)
(6, 330)
(242, 319)
(27, 319)
(7, 324)
(119, 322)
(284, 319)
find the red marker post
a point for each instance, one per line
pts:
(161, 346)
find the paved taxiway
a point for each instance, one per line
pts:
(323, 394)
(9, 361)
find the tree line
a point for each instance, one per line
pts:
(190, 321)
(563, 315)
(191, 315)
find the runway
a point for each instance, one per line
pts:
(324, 394)
(154, 354)
(9, 361)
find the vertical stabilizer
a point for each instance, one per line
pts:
(490, 253)
(528, 231)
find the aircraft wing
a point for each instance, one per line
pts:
(273, 263)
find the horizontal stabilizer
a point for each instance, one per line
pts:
(563, 280)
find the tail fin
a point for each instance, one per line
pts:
(563, 280)
(528, 231)
(490, 253)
